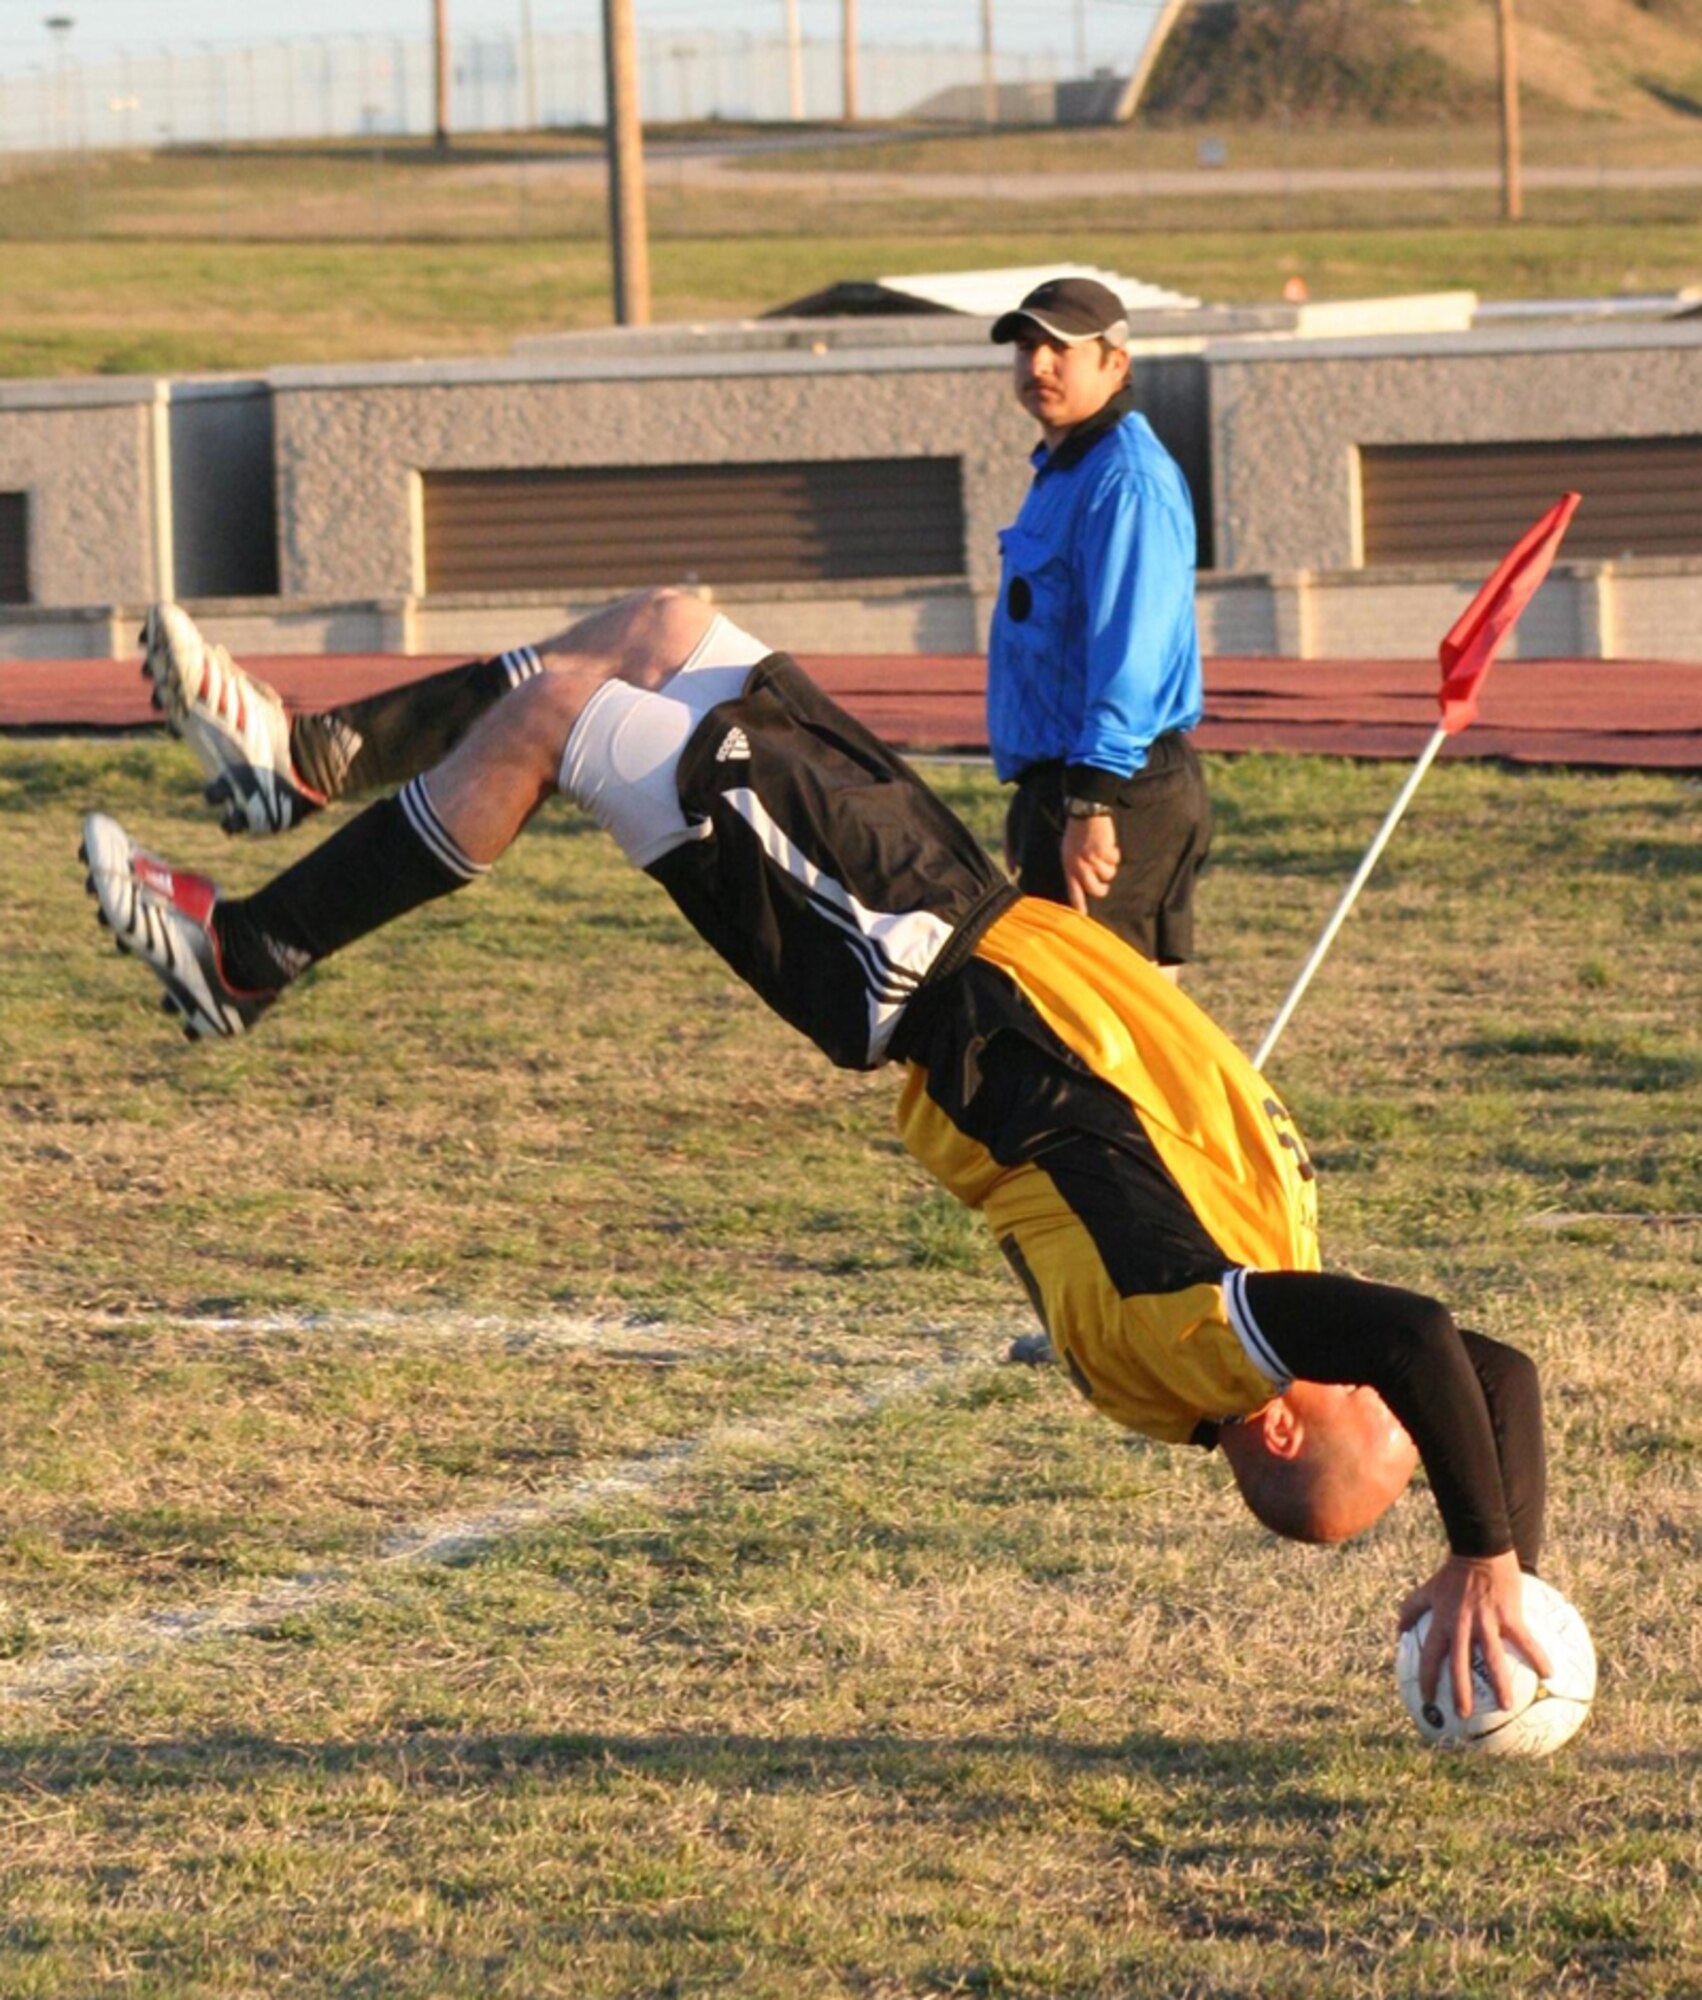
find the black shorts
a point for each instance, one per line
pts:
(835, 882)
(1163, 825)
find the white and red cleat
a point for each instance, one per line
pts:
(235, 725)
(164, 915)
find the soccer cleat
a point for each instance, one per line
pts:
(235, 725)
(164, 916)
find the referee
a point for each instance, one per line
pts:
(1093, 661)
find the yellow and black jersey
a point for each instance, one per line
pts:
(1152, 1193)
(1125, 1153)
(1128, 1157)
(1149, 1189)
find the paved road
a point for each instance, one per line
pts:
(727, 167)
(860, 184)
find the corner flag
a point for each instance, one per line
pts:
(1468, 652)
(1475, 637)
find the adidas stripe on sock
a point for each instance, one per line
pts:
(422, 816)
(384, 739)
(520, 665)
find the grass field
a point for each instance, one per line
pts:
(510, 1487)
(245, 258)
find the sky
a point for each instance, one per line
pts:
(1112, 30)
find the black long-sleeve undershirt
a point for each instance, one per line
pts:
(1472, 1405)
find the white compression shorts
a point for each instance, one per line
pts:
(621, 759)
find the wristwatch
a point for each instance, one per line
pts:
(1087, 809)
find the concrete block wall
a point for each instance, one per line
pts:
(139, 488)
(1243, 614)
(351, 443)
(87, 455)
(1269, 429)
(1390, 614)
(1288, 418)
(918, 618)
(1650, 610)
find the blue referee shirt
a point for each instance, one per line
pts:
(1094, 650)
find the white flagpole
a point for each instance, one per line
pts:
(1415, 778)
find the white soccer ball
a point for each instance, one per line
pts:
(1545, 1713)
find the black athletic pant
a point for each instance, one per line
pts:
(1162, 818)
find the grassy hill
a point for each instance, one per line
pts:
(1421, 61)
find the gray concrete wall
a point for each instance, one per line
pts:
(350, 442)
(1648, 610)
(872, 618)
(1607, 611)
(82, 453)
(1288, 419)
(1394, 614)
(1268, 429)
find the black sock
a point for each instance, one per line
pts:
(388, 860)
(384, 740)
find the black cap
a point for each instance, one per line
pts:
(1070, 310)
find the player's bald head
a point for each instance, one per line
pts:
(1321, 1463)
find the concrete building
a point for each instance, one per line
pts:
(842, 482)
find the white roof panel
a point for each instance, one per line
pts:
(986, 294)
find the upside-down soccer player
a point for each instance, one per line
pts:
(1145, 1184)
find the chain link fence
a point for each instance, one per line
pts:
(361, 86)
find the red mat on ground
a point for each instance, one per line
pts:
(1636, 714)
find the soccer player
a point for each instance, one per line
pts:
(1146, 1185)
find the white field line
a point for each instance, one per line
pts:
(118, 1643)
(637, 1339)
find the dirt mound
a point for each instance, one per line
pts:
(1414, 61)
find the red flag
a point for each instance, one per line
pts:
(1470, 648)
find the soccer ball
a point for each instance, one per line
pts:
(1545, 1713)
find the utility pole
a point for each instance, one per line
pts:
(989, 78)
(1507, 61)
(794, 65)
(629, 238)
(59, 26)
(440, 73)
(848, 37)
(528, 69)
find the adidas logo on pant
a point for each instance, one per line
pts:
(734, 744)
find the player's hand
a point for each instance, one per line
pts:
(1091, 858)
(1473, 1601)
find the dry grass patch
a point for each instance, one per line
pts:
(245, 259)
(809, 1651)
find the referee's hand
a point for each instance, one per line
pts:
(1091, 858)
